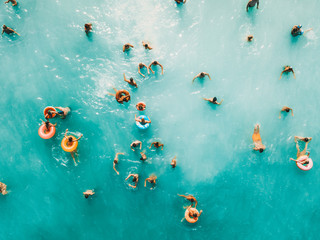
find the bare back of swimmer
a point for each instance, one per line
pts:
(258, 146)
(135, 144)
(63, 112)
(88, 193)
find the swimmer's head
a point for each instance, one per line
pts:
(155, 62)
(261, 150)
(50, 113)
(140, 107)
(249, 38)
(195, 215)
(156, 144)
(86, 195)
(4, 26)
(214, 99)
(202, 74)
(131, 79)
(134, 145)
(192, 200)
(287, 110)
(47, 124)
(306, 139)
(70, 139)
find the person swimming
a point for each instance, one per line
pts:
(8, 30)
(190, 198)
(252, 3)
(297, 30)
(130, 81)
(249, 38)
(152, 180)
(146, 45)
(88, 28)
(143, 156)
(127, 47)
(63, 112)
(156, 145)
(258, 146)
(88, 193)
(287, 69)
(174, 162)
(135, 144)
(303, 152)
(193, 214)
(303, 139)
(181, 1)
(286, 109)
(140, 66)
(3, 188)
(14, 2)
(135, 179)
(115, 161)
(141, 120)
(48, 124)
(201, 75)
(155, 63)
(70, 142)
(213, 100)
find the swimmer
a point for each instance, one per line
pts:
(258, 146)
(181, 1)
(63, 112)
(127, 46)
(14, 2)
(192, 213)
(297, 30)
(174, 162)
(135, 179)
(157, 145)
(252, 3)
(88, 193)
(70, 141)
(301, 154)
(3, 188)
(135, 144)
(303, 139)
(48, 124)
(141, 120)
(155, 63)
(146, 45)
(115, 161)
(201, 75)
(287, 69)
(190, 198)
(143, 156)
(8, 30)
(286, 109)
(213, 100)
(88, 28)
(130, 81)
(152, 180)
(121, 95)
(49, 114)
(249, 38)
(140, 66)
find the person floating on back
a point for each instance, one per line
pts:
(190, 198)
(156, 145)
(286, 109)
(174, 162)
(297, 30)
(135, 179)
(258, 146)
(287, 69)
(146, 45)
(155, 63)
(14, 2)
(140, 66)
(135, 144)
(152, 180)
(127, 47)
(201, 75)
(252, 3)
(131, 81)
(115, 161)
(88, 193)
(3, 188)
(88, 28)
(213, 100)
(8, 30)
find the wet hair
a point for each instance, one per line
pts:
(70, 139)
(192, 200)
(306, 139)
(152, 181)
(195, 215)
(261, 150)
(49, 113)
(134, 145)
(86, 195)
(134, 179)
(47, 124)
(202, 74)
(287, 110)
(214, 99)
(155, 62)
(115, 161)
(131, 79)
(140, 107)
(4, 26)
(156, 144)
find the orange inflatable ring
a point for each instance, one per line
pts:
(68, 148)
(44, 133)
(47, 109)
(141, 106)
(190, 219)
(122, 96)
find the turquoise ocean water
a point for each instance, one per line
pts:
(243, 194)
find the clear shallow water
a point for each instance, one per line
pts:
(244, 195)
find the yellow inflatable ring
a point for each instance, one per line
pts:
(66, 147)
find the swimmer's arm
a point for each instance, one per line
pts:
(140, 72)
(114, 167)
(132, 148)
(16, 32)
(195, 77)
(161, 146)
(161, 68)
(294, 159)
(151, 145)
(196, 203)
(281, 74)
(200, 213)
(65, 135)
(129, 176)
(293, 74)
(145, 182)
(133, 186)
(248, 6)
(208, 75)
(220, 102)
(130, 45)
(123, 48)
(2, 31)
(42, 121)
(135, 118)
(150, 68)
(140, 145)
(54, 124)
(79, 138)
(291, 111)
(280, 114)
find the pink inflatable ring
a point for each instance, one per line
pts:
(44, 133)
(305, 167)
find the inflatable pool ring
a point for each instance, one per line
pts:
(66, 147)
(122, 96)
(190, 219)
(44, 133)
(141, 106)
(143, 126)
(306, 167)
(52, 109)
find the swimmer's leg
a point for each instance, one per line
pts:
(72, 155)
(298, 150)
(304, 150)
